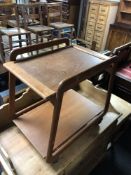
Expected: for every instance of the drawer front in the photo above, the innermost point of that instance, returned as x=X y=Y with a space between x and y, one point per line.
x=94 y=8
x=101 y=20
x=98 y=44
x=98 y=36
x=103 y=10
x=90 y=32
x=92 y=17
x=100 y=27
x=98 y=47
x=89 y=40
x=89 y=37
x=90 y=25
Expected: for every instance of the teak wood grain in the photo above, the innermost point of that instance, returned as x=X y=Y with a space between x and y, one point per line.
x=49 y=70
x=75 y=111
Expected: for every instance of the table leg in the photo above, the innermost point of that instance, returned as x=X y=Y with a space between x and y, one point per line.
x=110 y=87
x=54 y=125
x=37 y=41
x=12 y=80
x=10 y=43
x=20 y=43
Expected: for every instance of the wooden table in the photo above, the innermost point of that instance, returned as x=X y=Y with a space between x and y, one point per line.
x=63 y=114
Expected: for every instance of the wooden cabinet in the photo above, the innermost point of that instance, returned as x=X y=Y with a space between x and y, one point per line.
x=124 y=12
x=119 y=34
x=101 y=14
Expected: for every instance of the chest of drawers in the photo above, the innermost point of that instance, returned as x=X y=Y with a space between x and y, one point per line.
x=100 y=15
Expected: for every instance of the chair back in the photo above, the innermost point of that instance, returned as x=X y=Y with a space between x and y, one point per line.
x=31 y=14
x=43 y=12
x=54 y=12
x=8 y=12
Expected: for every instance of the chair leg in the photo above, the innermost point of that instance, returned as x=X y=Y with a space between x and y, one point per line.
x=59 y=33
x=28 y=39
x=37 y=41
x=20 y=42
x=59 y=36
x=2 y=49
x=73 y=34
x=51 y=38
x=10 y=43
x=41 y=38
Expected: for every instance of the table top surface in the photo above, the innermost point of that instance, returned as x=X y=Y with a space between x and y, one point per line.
x=44 y=73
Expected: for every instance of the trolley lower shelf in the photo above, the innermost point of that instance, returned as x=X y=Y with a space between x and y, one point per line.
x=76 y=112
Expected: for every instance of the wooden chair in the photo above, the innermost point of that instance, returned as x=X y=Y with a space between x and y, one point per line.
x=13 y=22
x=34 y=23
x=54 y=19
x=11 y=37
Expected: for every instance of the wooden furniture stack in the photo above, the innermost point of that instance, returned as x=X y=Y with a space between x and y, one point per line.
x=101 y=15
x=16 y=35
x=33 y=21
x=120 y=32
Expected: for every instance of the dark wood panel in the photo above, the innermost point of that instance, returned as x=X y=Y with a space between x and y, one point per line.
x=116 y=39
x=118 y=35
x=124 y=12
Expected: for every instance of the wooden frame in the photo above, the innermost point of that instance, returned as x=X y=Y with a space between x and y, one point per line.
x=58 y=95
